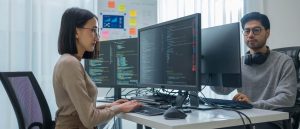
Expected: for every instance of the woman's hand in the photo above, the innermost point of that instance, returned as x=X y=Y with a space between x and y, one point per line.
x=241 y=97
x=129 y=106
x=118 y=102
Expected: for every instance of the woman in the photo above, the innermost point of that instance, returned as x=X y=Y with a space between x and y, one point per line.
x=75 y=92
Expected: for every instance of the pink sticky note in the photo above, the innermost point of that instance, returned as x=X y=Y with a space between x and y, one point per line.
x=105 y=34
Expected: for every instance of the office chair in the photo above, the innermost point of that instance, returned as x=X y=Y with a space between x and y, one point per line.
x=28 y=100
x=294 y=53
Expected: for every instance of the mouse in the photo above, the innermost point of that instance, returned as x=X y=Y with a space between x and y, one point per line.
x=172 y=114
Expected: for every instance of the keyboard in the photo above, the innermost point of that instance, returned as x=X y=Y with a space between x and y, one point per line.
x=228 y=103
x=155 y=99
x=149 y=111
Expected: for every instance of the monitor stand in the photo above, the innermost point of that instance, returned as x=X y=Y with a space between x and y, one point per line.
x=194 y=99
x=181 y=97
x=117 y=93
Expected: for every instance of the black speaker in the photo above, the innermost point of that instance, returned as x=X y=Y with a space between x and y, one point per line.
x=256 y=58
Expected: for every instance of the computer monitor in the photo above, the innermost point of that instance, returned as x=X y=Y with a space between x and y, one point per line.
x=221 y=56
x=116 y=66
x=169 y=54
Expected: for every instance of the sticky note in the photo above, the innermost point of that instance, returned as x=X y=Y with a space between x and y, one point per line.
x=111 y=4
x=105 y=34
x=132 y=31
x=132 y=13
x=122 y=8
x=132 y=21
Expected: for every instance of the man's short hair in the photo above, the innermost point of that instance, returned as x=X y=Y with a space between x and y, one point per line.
x=264 y=20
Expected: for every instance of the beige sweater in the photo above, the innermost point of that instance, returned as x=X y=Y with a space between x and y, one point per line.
x=76 y=95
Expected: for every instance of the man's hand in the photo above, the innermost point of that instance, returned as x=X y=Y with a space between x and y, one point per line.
x=241 y=97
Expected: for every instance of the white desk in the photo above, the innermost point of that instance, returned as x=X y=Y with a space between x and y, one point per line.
x=209 y=119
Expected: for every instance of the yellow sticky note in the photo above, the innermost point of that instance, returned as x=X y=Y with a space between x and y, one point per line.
x=122 y=7
x=132 y=21
x=132 y=31
x=132 y=13
x=111 y=4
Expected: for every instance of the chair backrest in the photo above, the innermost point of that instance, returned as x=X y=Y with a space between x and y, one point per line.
x=294 y=53
x=28 y=100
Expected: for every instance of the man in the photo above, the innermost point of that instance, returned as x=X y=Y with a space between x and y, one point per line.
x=268 y=77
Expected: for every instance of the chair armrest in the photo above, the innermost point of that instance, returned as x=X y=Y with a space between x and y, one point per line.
x=289 y=109
x=294 y=114
x=53 y=125
x=34 y=124
x=40 y=125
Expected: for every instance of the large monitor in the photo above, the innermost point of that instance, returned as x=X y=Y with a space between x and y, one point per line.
x=169 y=54
x=117 y=64
x=221 y=56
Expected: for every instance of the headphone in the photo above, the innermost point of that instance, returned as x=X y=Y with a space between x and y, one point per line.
x=256 y=58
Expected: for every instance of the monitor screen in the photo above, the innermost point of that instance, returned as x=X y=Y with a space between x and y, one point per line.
x=126 y=61
x=116 y=65
x=168 y=54
x=221 y=56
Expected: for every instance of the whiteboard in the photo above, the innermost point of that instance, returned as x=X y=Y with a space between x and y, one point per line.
x=136 y=14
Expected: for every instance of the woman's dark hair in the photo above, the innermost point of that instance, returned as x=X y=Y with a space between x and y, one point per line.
x=72 y=18
x=264 y=20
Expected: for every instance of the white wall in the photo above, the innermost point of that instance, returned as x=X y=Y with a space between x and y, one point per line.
x=284 y=17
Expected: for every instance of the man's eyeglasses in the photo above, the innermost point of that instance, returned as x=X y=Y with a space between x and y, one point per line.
x=255 y=31
x=95 y=30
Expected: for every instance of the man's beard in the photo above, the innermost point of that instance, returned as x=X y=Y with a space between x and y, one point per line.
x=256 y=46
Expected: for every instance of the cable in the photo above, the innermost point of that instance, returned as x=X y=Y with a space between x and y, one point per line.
x=108 y=92
x=249 y=120
x=241 y=113
x=203 y=87
x=137 y=92
x=242 y=120
x=129 y=92
x=124 y=90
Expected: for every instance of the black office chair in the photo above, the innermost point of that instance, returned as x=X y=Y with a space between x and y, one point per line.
x=294 y=53
x=28 y=100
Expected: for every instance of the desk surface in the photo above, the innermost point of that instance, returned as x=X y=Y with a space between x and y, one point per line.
x=209 y=119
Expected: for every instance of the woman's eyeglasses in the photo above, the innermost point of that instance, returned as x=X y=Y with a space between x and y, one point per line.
x=95 y=30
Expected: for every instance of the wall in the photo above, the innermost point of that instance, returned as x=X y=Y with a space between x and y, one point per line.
x=135 y=13
x=284 y=20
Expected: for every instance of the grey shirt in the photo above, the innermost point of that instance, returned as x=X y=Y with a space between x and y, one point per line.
x=269 y=85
